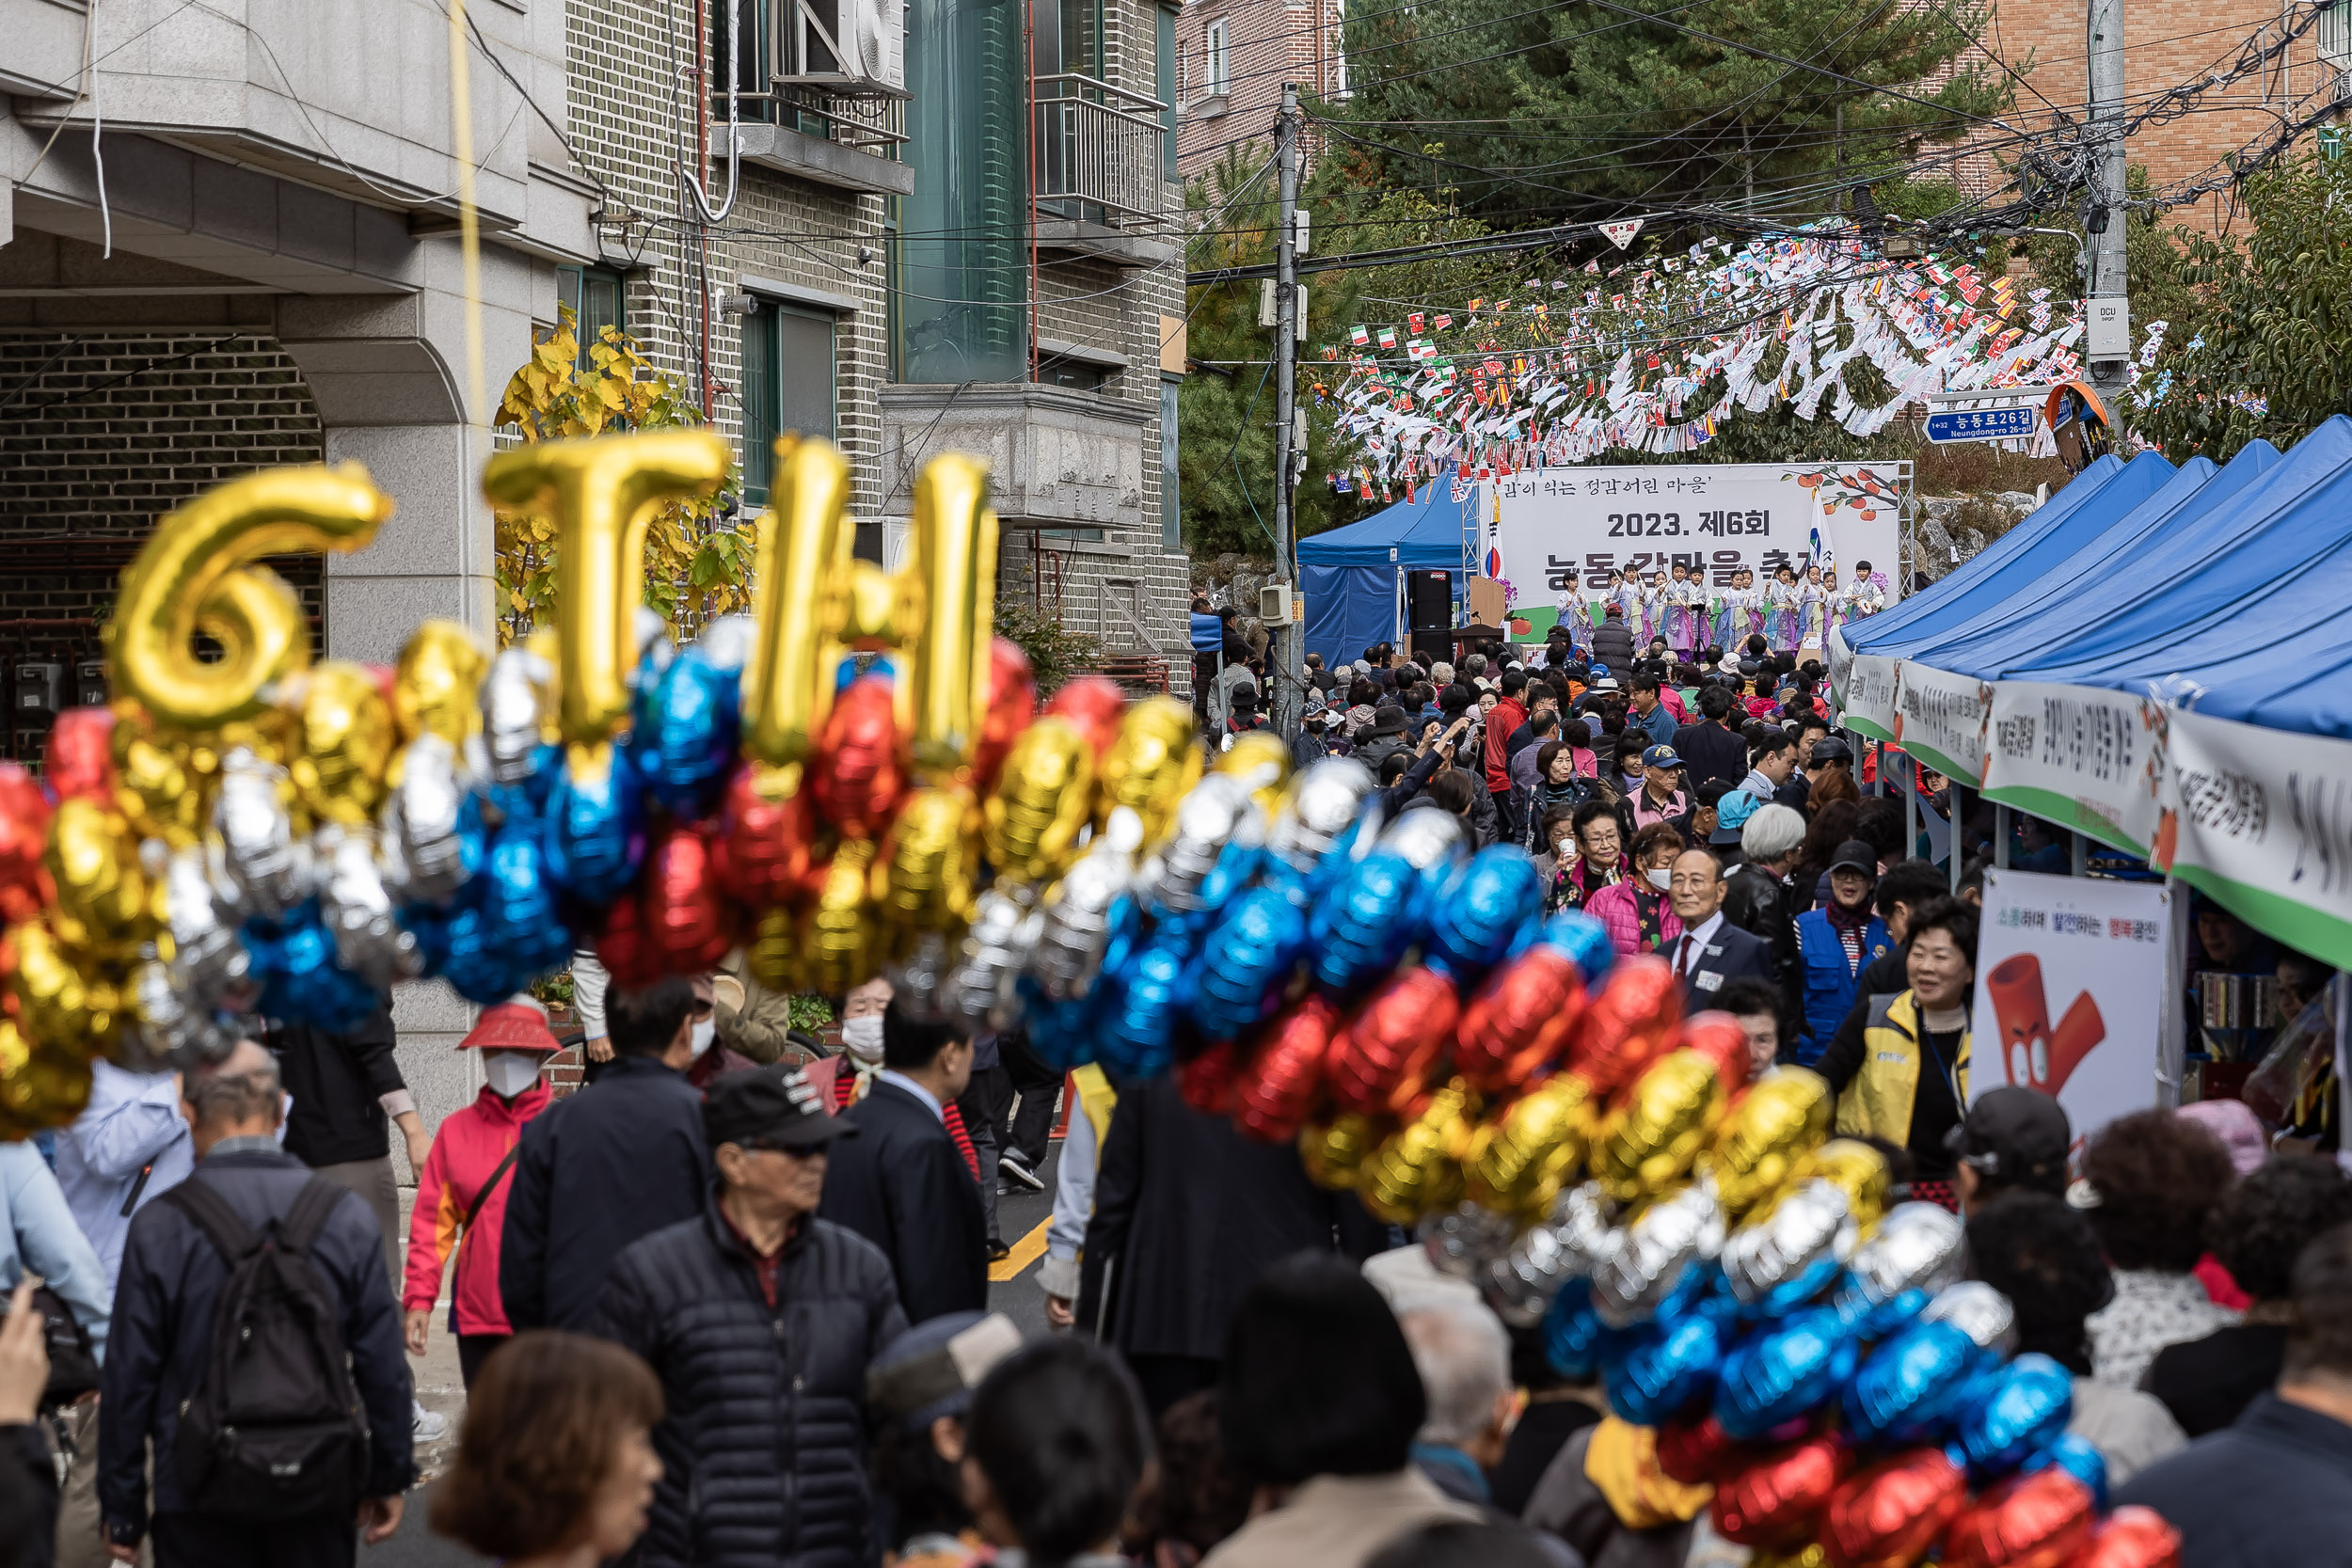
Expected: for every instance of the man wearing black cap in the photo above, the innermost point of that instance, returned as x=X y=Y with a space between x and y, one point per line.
x=760 y=1319
x=2011 y=1138
x=1386 y=737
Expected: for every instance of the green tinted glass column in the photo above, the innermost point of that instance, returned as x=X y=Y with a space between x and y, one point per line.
x=964 y=266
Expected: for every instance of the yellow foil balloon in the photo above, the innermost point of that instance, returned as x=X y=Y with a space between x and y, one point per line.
x=952 y=557
x=1045 y=795
x=774 y=953
x=1334 y=1151
x=40 y=1086
x=1776 y=1123
x=63 y=998
x=348 y=738
x=803 y=571
x=840 y=933
x=1520 y=1158
x=1261 y=760
x=157 y=787
x=1669 y=1115
x=934 y=855
x=603 y=493
x=107 y=905
x=1854 y=1169
x=1150 y=766
x=192 y=575
x=1418 y=1168
x=436 y=689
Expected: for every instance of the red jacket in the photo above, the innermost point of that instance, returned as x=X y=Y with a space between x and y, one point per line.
x=468 y=1146
x=1509 y=714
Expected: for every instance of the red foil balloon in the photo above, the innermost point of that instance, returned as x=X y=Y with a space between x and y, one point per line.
x=688 y=923
x=24 y=886
x=1095 y=705
x=1697 y=1453
x=2036 y=1521
x=1281 y=1086
x=1633 y=1022
x=2131 y=1537
x=767 y=837
x=1776 y=1498
x=80 y=756
x=1207 y=1082
x=859 y=773
x=1516 y=1028
x=1007 y=706
x=1892 y=1512
x=1719 y=1038
x=1380 y=1063
x=622 y=947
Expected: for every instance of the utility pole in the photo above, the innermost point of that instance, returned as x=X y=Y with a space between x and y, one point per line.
x=1286 y=663
x=2108 y=346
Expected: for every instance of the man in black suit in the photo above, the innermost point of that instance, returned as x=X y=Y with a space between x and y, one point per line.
x=1711 y=950
x=1711 y=748
x=903 y=1184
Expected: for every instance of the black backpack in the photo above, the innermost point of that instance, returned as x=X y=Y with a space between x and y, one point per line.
x=273 y=1429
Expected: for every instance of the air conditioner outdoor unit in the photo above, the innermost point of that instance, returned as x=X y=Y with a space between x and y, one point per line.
x=849 y=47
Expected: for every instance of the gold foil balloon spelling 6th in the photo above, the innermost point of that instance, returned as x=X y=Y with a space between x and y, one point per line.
x=803 y=565
x=193 y=575
x=952 y=555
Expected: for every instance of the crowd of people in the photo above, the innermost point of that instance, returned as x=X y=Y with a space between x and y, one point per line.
x=730 y=1302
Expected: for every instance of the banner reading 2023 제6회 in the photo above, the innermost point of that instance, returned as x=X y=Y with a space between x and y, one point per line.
x=1559 y=532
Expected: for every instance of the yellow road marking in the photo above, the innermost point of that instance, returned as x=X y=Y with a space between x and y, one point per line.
x=1026 y=1251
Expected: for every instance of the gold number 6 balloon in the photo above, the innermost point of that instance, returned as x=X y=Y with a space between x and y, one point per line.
x=195 y=575
x=602 y=492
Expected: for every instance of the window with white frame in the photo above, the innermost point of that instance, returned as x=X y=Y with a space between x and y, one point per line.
x=1216 y=65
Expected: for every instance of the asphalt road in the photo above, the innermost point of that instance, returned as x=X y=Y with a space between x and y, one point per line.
x=1020 y=1217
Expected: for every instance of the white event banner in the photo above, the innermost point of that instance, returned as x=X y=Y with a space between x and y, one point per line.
x=1868 y=695
x=2072 y=993
x=1567 y=528
x=2080 y=756
x=2262 y=821
x=1940 y=719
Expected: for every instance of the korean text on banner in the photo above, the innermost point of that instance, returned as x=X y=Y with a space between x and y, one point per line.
x=2262 y=821
x=1940 y=719
x=2072 y=995
x=1869 y=695
x=2077 y=755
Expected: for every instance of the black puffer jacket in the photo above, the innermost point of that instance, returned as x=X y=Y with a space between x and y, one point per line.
x=763 y=1446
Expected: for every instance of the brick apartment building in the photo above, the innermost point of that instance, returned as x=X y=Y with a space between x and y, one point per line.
x=1235 y=56
x=952 y=240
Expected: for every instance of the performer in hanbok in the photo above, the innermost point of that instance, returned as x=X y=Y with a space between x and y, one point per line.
x=1780 y=606
x=1867 y=594
x=1812 y=604
x=1736 y=609
x=1625 y=592
x=1653 y=608
x=1833 y=604
x=1684 y=599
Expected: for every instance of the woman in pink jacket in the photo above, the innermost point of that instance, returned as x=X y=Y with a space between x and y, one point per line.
x=461 y=1193
x=1635 y=911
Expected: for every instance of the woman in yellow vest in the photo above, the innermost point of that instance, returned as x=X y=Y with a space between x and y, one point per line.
x=1899 y=1063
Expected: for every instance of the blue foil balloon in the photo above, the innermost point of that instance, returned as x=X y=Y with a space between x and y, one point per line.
x=595 y=834
x=1237 y=865
x=1888 y=1317
x=1772 y=1377
x=1482 y=913
x=1136 y=1031
x=1575 y=1338
x=1909 y=1387
x=1362 y=925
x=529 y=797
x=1586 y=940
x=2023 y=1407
x=688 y=721
x=1240 y=973
x=1667 y=1368
x=294 y=958
x=2077 y=1458
x=511 y=929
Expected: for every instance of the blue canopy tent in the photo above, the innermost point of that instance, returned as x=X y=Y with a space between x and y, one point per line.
x=1350 y=575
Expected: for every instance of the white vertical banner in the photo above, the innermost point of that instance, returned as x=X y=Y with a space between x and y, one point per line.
x=1867 y=697
x=1940 y=719
x=2079 y=756
x=2072 y=993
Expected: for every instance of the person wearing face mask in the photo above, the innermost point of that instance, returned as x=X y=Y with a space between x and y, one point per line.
x=712 y=1056
x=461 y=1191
x=1635 y=911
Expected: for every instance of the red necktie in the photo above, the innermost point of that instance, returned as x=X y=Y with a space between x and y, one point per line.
x=1682 y=959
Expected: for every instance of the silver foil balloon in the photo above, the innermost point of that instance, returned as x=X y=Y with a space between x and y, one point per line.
x=1466 y=1240
x=1978 y=1310
x=728 y=641
x=1648 y=1260
x=980 y=989
x=370 y=941
x=653 y=647
x=918 y=982
x=175 y=1028
x=1520 y=1283
x=1320 y=804
x=1427 y=839
x=257 y=864
x=208 y=962
x=1218 y=810
x=432 y=835
x=1076 y=929
x=1806 y=1234
x=513 y=711
x=1917 y=1246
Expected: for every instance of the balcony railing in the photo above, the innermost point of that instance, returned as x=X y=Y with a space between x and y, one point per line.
x=1099 y=150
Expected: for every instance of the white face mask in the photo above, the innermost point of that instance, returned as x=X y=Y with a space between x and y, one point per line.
x=863 y=1035
x=705 y=1031
x=1661 y=877
x=510 y=1072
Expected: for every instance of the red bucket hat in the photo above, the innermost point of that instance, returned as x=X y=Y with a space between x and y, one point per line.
x=511 y=1026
